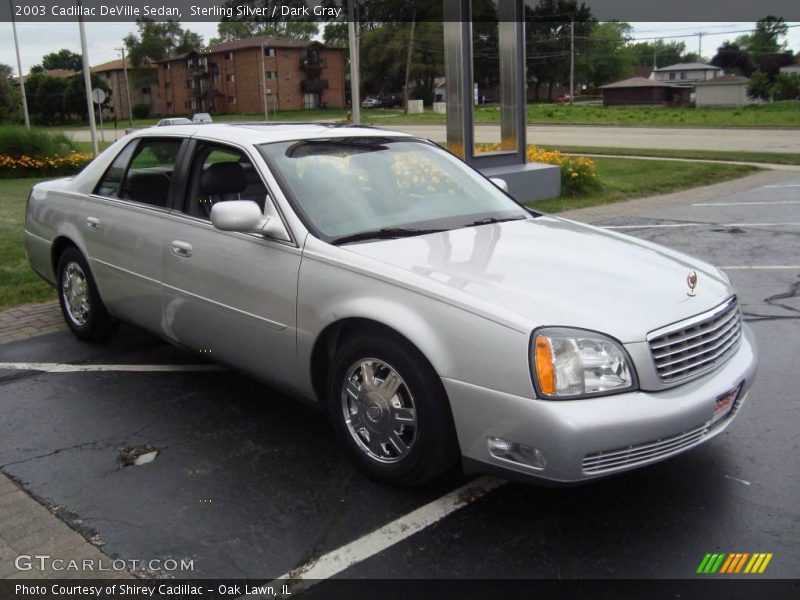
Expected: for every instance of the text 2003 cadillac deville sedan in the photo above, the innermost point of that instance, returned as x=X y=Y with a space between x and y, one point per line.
x=379 y=276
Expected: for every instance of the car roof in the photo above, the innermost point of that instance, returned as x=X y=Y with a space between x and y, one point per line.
x=264 y=133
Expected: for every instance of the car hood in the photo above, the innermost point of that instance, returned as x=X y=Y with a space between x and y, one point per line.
x=551 y=271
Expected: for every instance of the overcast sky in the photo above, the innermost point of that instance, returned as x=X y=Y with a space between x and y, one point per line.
x=38 y=39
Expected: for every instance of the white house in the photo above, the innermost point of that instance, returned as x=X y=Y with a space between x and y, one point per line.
x=686 y=73
x=723 y=91
x=791 y=69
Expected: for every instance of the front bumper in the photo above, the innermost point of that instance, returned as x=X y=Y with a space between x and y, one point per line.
x=626 y=431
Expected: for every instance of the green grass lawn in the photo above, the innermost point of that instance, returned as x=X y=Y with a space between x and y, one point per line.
x=18 y=283
x=629 y=178
x=778 y=114
x=760 y=157
x=621 y=179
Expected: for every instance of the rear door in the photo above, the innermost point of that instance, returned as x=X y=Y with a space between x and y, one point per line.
x=123 y=227
x=230 y=295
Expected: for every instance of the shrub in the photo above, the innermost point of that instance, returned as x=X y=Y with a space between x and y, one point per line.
x=141 y=111
x=19 y=141
x=37 y=153
x=578 y=173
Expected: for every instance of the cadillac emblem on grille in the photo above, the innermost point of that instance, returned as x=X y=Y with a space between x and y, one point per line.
x=691 y=280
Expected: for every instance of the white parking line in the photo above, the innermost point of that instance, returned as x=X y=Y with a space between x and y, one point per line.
x=759 y=267
x=782 y=186
x=338 y=560
x=66 y=368
x=670 y=225
x=745 y=203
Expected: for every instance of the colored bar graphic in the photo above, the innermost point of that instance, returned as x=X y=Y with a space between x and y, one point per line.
x=723 y=563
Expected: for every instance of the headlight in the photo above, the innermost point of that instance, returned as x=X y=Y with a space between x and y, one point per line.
x=574 y=363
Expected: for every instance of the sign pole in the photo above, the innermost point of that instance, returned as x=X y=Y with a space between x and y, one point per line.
x=87 y=82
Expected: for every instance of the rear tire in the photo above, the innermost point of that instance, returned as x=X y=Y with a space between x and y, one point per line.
x=83 y=310
x=389 y=408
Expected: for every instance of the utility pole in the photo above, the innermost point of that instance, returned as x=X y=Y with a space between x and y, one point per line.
x=572 y=61
x=355 y=96
x=127 y=87
x=700 y=35
x=87 y=82
x=264 y=84
x=19 y=71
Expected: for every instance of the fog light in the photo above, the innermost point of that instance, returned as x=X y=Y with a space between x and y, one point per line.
x=516 y=452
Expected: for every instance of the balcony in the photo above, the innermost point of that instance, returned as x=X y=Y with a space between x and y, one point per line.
x=311 y=63
x=313 y=86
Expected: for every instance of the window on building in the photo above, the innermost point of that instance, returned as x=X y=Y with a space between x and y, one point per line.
x=169 y=104
x=672 y=76
x=190 y=84
x=167 y=66
x=286 y=74
x=229 y=77
x=229 y=56
x=215 y=77
x=269 y=51
x=167 y=85
x=231 y=99
x=190 y=63
x=146 y=90
x=683 y=75
x=271 y=74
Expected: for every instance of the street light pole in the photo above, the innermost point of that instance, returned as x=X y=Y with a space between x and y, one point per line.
x=87 y=82
x=355 y=95
x=127 y=87
x=572 y=61
x=19 y=71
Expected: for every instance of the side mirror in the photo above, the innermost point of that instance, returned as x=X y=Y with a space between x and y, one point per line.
x=243 y=216
x=501 y=183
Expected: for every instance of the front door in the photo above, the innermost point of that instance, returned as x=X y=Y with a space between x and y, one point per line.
x=229 y=295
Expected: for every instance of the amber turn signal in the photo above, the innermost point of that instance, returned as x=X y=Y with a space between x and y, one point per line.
x=544 y=365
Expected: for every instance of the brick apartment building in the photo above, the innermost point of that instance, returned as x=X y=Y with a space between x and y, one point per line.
x=114 y=76
x=227 y=77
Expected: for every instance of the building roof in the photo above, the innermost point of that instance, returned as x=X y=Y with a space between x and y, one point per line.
x=695 y=66
x=642 y=71
x=57 y=73
x=116 y=65
x=253 y=42
x=637 y=82
x=725 y=80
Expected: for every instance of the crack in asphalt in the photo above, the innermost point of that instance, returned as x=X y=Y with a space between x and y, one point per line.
x=794 y=292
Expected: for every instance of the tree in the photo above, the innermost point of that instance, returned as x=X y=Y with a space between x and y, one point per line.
x=547 y=40
x=663 y=53
x=606 y=57
x=158 y=40
x=63 y=59
x=786 y=86
x=10 y=99
x=759 y=86
x=49 y=99
x=74 y=97
x=767 y=46
x=335 y=34
x=238 y=30
x=731 y=58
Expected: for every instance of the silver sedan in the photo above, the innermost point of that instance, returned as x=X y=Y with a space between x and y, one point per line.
x=376 y=275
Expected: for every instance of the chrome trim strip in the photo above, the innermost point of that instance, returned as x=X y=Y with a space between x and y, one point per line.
x=678 y=325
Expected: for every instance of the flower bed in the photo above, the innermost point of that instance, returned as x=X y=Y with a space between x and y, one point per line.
x=578 y=173
x=31 y=166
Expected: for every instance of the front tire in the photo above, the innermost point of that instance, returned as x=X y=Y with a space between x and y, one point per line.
x=390 y=410
x=83 y=310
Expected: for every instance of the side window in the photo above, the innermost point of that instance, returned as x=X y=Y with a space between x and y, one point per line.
x=150 y=172
x=220 y=173
x=111 y=182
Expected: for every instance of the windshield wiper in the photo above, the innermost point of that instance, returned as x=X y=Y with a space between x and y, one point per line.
x=387 y=233
x=492 y=220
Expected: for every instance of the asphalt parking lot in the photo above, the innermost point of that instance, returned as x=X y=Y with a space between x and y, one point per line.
x=251 y=484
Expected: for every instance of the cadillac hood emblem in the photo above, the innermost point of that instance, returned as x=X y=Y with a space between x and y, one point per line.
x=691 y=281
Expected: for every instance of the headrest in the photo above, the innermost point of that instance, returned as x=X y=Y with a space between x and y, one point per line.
x=150 y=188
x=223 y=178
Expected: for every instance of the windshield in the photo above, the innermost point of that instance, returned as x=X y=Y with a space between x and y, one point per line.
x=346 y=188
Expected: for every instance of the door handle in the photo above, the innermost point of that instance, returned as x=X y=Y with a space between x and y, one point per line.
x=182 y=249
x=93 y=223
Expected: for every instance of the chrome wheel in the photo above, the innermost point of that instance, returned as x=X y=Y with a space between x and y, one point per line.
x=379 y=410
x=75 y=292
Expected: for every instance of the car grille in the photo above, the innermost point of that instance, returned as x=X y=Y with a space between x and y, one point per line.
x=633 y=455
x=608 y=460
x=698 y=344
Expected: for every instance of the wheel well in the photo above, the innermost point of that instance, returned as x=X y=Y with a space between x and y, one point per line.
x=333 y=336
x=59 y=245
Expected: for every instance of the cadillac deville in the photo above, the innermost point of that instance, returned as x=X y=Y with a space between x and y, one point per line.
x=375 y=274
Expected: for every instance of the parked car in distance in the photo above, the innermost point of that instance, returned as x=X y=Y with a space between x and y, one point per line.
x=201 y=118
x=173 y=121
x=391 y=101
x=563 y=99
x=378 y=276
x=371 y=103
